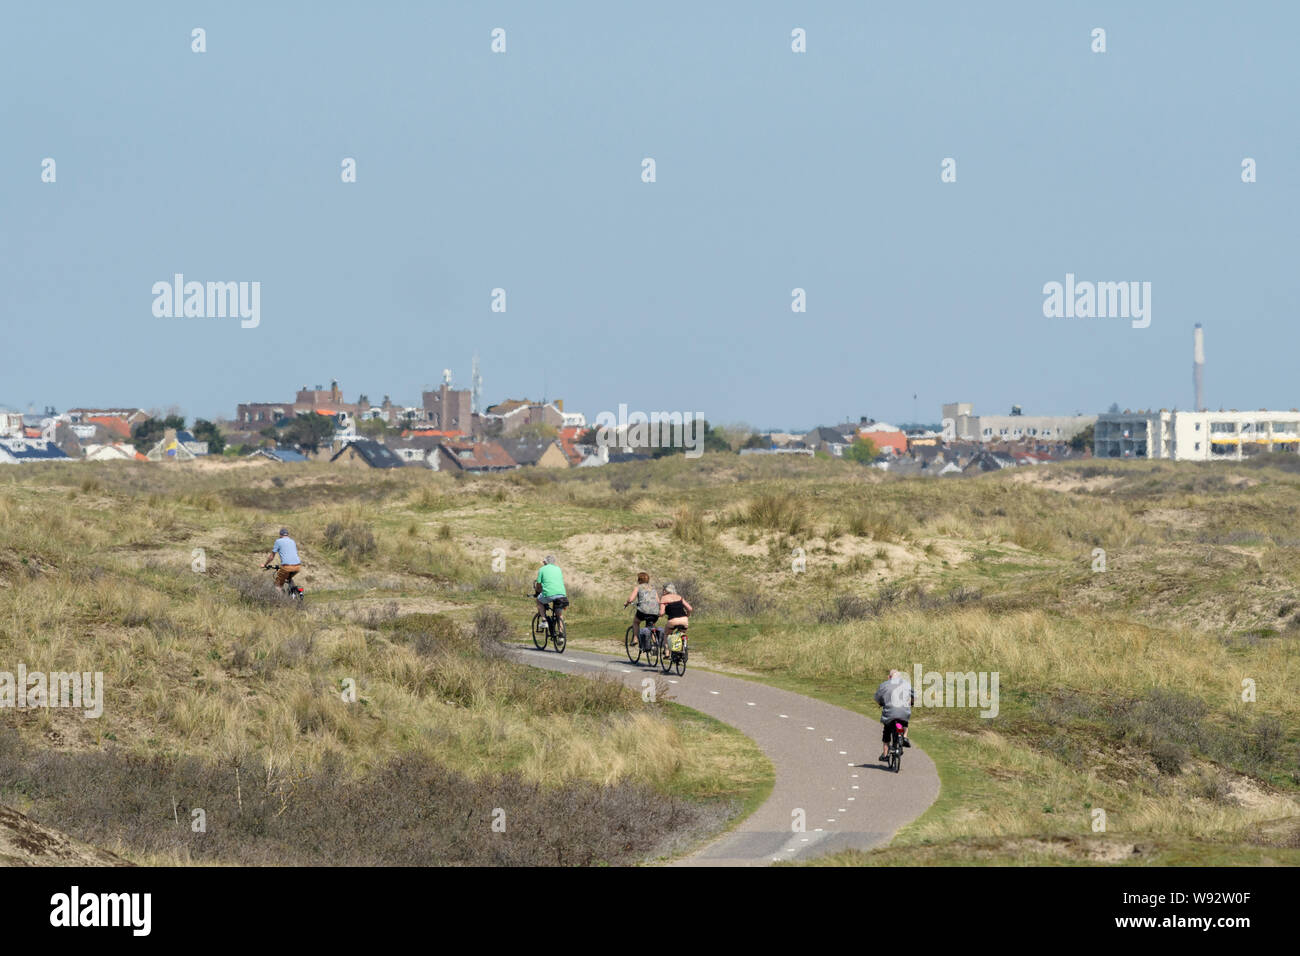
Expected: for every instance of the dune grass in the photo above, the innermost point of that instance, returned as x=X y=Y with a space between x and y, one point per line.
x=220 y=695
x=1120 y=689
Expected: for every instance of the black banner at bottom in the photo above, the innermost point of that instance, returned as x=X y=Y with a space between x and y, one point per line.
x=142 y=906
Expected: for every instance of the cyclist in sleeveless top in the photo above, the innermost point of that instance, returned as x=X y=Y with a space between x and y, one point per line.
x=646 y=599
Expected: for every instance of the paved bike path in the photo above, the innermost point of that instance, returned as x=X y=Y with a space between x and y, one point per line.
x=824 y=757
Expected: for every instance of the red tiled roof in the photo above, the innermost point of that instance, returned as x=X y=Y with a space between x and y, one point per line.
x=883 y=439
x=117 y=426
x=570 y=452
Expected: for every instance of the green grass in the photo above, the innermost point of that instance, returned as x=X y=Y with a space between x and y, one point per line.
x=1201 y=591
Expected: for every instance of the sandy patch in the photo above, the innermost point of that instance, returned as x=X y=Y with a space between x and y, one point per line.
x=1175 y=517
x=737 y=544
x=1054 y=480
x=1254 y=797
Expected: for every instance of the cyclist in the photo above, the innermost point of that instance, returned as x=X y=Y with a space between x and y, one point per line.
x=549 y=586
x=676 y=607
x=895 y=697
x=290 y=564
x=647 y=608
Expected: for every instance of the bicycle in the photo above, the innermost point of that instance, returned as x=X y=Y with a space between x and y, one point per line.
x=632 y=644
x=895 y=752
x=292 y=590
x=673 y=652
x=550 y=627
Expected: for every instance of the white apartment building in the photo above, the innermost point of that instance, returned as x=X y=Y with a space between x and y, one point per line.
x=960 y=423
x=1196 y=436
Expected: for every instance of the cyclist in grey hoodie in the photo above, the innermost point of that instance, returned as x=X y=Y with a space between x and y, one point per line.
x=895 y=697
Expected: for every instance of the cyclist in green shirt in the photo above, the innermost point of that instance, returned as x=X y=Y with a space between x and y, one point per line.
x=549 y=586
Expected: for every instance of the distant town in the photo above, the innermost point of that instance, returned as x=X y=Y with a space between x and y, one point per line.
x=446 y=432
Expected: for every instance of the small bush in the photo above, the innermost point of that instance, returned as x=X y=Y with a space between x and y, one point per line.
x=353 y=541
x=745 y=604
x=688 y=586
x=782 y=513
x=428 y=634
x=1261 y=746
x=689 y=527
x=260 y=591
x=1213 y=786
x=846 y=607
x=1169 y=755
x=491 y=629
x=1169 y=725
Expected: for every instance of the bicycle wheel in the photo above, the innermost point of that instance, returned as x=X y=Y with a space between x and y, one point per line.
x=561 y=639
x=652 y=653
x=680 y=663
x=539 y=632
x=632 y=644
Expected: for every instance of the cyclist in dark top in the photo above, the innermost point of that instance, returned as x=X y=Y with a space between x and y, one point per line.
x=675 y=606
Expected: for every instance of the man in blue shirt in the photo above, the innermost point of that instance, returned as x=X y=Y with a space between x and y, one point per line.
x=290 y=564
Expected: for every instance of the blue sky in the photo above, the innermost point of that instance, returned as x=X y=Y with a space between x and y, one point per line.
x=775 y=170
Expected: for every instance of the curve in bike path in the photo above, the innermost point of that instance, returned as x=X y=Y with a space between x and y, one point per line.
x=824 y=757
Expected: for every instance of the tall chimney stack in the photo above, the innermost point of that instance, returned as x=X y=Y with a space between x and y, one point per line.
x=1198 y=366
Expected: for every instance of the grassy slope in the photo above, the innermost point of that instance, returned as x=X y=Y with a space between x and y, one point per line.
x=206 y=677
x=1199 y=593
x=1120 y=690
